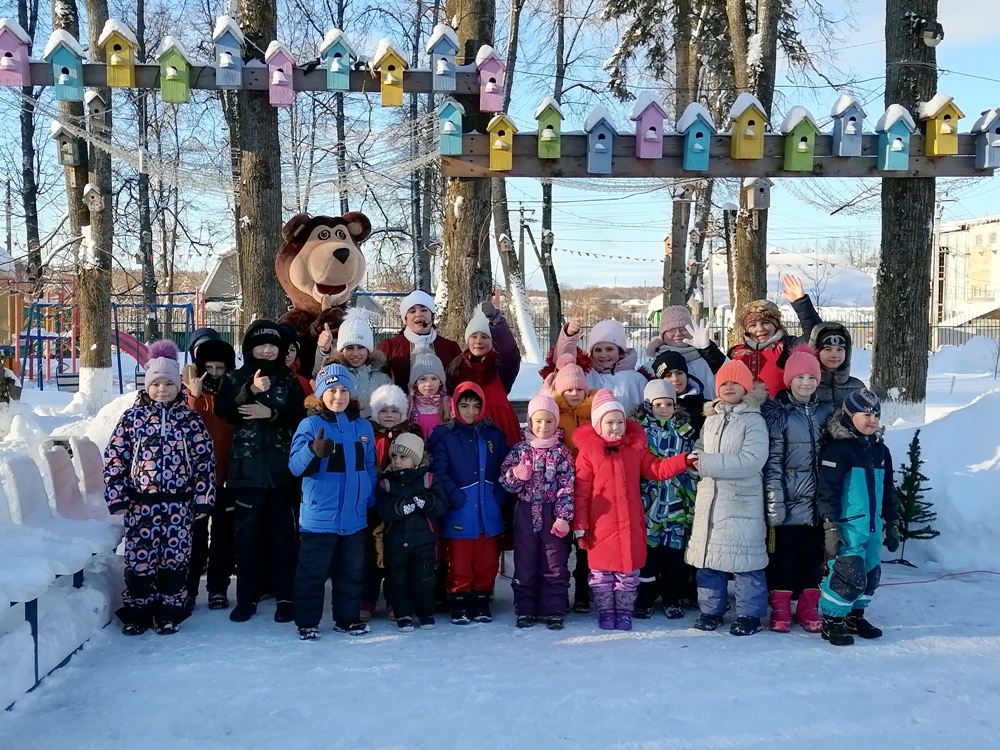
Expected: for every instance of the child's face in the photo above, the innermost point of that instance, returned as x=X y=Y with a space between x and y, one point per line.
x=761 y=330
x=613 y=425
x=803 y=386
x=428 y=385
x=400 y=462
x=293 y=353
x=162 y=391
x=480 y=344
x=388 y=417
x=731 y=393
x=866 y=424
x=215 y=369
x=354 y=355
x=543 y=424
x=675 y=336
x=663 y=408
x=606 y=356
x=268 y=352
x=336 y=398
x=832 y=357
x=678 y=379
x=468 y=410
x=574 y=397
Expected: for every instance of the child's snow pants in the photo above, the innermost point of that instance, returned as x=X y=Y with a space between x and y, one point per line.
x=614 y=591
x=329 y=556
x=751 y=592
x=541 y=572
x=855 y=572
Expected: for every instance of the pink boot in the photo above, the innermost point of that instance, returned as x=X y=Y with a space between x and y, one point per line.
x=806 y=613
x=781 y=611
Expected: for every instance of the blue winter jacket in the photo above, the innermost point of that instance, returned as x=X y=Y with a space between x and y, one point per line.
x=336 y=491
x=467 y=460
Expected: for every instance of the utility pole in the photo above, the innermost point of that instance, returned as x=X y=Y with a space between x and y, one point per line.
x=520 y=244
x=6 y=213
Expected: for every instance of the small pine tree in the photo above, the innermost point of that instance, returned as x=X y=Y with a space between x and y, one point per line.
x=915 y=513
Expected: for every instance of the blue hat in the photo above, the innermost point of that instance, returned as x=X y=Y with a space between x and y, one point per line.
x=862 y=401
x=331 y=375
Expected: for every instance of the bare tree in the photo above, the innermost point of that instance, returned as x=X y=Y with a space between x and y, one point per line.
x=27 y=17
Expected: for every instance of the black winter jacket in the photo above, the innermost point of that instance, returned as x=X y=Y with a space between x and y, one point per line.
x=398 y=488
x=693 y=404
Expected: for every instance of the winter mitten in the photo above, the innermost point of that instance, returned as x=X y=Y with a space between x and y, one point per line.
x=419 y=502
x=892 y=537
x=831 y=538
x=322 y=447
x=698 y=333
x=560 y=528
x=408 y=508
x=522 y=471
x=691 y=459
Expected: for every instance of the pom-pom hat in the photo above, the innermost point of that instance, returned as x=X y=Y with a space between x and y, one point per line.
x=604 y=403
x=569 y=375
x=355 y=330
x=163 y=364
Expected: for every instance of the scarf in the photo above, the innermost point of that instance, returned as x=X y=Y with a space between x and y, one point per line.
x=541 y=443
x=689 y=353
x=420 y=340
x=480 y=370
x=758 y=346
x=425 y=404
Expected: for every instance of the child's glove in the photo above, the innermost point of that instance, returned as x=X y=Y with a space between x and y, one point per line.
x=522 y=471
x=832 y=538
x=560 y=528
x=691 y=460
x=419 y=502
x=322 y=447
x=698 y=333
x=408 y=508
x=892 y=537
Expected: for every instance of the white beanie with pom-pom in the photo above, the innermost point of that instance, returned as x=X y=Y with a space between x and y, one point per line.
x=355 y=330
x=479 y=324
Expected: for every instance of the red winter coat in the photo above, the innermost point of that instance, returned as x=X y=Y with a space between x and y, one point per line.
x=608 y=505
x=398 y=350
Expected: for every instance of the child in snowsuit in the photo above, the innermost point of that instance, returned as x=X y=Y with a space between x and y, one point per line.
x=213 y=359
x=467 y=454
x=672 y=367
x=614 y=361
x=410 y=499
x=856 y=500
x=429 y=404
x=333 y=450
x=678 y=334
x=669 y=505
x=539 y=470
x=609 y=521
x=795 y=421
x=356 y=352
x=159 y=470
x=729 y=533
x=833 y=342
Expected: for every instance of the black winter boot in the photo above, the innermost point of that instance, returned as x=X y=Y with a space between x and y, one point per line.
x=835 y=631
x=857 y=625
x=707 y=622
x=283 y=612
x=481 y=607
x=242 y=612
x=460 y=609
x=745 y=625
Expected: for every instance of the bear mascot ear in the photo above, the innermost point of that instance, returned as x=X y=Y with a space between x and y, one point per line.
x=292 y=226
x=358 y=225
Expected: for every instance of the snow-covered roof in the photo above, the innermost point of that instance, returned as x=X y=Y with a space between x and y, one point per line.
x=597 y=114
x=56 y=128
x=895 y=113
x=276 y=48
x=225 y=24
x=453 y=103
x=691 y=113
x=743 y=102
x=9 y=24
x=486 y=52
x=90 y=95
x=845 y=102
x=172 y=43
x=90 y=188
x=383 y=48
x=795 y=117
x=111 y=26
x=334 y=37
x=442 y=32
x=499 y=120
x=753 y=181
x=931 y=109
x=644 y=101
x=547 y=102
x=986 y=120
x=64 y=38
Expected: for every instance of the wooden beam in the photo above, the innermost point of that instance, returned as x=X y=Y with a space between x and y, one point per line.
x=256 y=77
x=475 y=160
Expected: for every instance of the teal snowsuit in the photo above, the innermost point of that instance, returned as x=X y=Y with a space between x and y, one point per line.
x=855 y=490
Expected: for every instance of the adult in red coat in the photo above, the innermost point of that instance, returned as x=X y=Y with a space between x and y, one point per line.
x=417 y=311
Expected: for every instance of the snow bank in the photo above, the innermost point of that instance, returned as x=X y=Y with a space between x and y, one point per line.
x=978 y=356
x=17 y=659
x=100 y=427
x=528 y=381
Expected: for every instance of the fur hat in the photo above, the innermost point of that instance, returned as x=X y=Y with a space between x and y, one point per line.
x=802 y=361
x=162 y=363
x=409 y=445
x=569 y=375
x=416 y=297
x=667 y=361
x=760 y=309
x=862 y=401
x=215 y=350
x=735 y=371
x=479 y=324
x=543 y=402
x=604 y=403
x=331 y=375
x=388 y=396
x=355 y=329
x=425 y=362
x=659 y=389
x=607 y=332
x=675 y=316
x=200 y=336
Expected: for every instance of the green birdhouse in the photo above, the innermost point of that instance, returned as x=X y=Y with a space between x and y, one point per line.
x=800 y=131
x=175 y=71
x=549 y=117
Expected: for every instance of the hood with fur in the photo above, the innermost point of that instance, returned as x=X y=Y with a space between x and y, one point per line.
x=376 y=360
x=751 y=402
x=840 y=427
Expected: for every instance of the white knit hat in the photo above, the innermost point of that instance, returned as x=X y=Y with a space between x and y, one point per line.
x=607 y=332
x=416 y=297
x=354 y=329
x=659 y=389
x=479 y=324
x=389 y=396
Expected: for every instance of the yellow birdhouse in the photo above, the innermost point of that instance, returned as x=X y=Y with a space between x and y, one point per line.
x=501 y=130
x=748 y=123
x=390 y=63
x=119 y=44
x=940 y=117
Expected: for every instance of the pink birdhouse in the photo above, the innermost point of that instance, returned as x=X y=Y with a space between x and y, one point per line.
x=492 y=78
x=14 y=67
x=648 y=115
x=280 y=66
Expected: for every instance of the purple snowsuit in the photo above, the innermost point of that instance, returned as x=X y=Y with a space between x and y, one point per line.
x=541 y=572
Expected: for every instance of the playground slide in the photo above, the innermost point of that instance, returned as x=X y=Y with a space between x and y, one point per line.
x=131 y=346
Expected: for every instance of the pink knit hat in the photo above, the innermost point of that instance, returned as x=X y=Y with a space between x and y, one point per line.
x=802 y=361
x=675 y=316
x=735 y=371
x=543 y=402
x=604 y=403
x=162 y=363
x=569 y=375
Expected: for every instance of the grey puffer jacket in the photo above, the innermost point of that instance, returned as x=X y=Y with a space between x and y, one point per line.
x=729 y=532
x=791 y=474
x=835 y=385
x=366 y=378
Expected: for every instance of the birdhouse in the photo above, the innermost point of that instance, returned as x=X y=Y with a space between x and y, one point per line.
x=501 y=130
x=66 y=145
x=848 y=123
x=280 y=68
x=758 y=192
x=894 y=129
x=441 y=50
x=390 y=63
x=648 y=115
x=228 y=42
x=747 y=127
x=92 y=197
x=119 y=44
x=97 y=112
x=549 y=117
x=175 y=71
x=66 y=56
x=14 y=65
x=697 y=128
x=336 y=53
x=987 y=132
x=601 y=134
x=940 y=117
x=450 y=115
x=492 y=79
x=800 y=131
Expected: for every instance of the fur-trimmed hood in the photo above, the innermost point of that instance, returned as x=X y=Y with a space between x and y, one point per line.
x=376 y=360
x=407 y=426
x=315 y=408
x=587 y=439
x=751 y=402
x=639 y=413
x=839 y=427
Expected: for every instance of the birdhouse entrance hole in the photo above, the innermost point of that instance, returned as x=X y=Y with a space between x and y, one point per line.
x=651 y=134
x=65 y=71
x=7 y=54
x=117 y=48
x=501 y=133
x=897 y=145
x=803 y=144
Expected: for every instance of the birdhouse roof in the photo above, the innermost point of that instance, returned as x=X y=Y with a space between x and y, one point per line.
x=744 y=102
x=894 y=114
x=443 y=33
x=501 y=120
x=597 y=115
x=226 y=25
x=62 y=38
x=383 y=49
x=450 y=103
x=112 y=27
x=845 y=102
x=936 y=106
x=485 y=54
x=691 y=114
x=548 y=102
x=90 y=95
x=90 y=188
x=754 y=181
x=172 y=43
x=276 y=48
x=644 y=101
x=12 y=26
x=795 y=117
x=986 y=120
x=57 y=129
x=332 y=39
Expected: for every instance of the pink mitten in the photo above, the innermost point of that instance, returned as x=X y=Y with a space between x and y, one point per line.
x=561 y=527
x=522 y=471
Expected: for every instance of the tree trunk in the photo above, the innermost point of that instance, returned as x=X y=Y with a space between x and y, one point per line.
x=903 y=286
x=152 y=328
x=674 y=266
x=65 y=16
x=702 y=220
x=467 y=276
x=27 y=17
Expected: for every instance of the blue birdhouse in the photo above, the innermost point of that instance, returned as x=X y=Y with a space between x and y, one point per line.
x=697 y=128
x=987 y=132
x=228 y=41
x=894 y=129
x=336 y=54
x=450 y=115
x=601 y=134
x=66 y=56
x=441 y=50
x=848 y=122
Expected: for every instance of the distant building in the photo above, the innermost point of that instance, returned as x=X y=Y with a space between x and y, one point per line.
x=965 y=279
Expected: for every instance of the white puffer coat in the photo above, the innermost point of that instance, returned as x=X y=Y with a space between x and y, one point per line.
x=729 y=532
